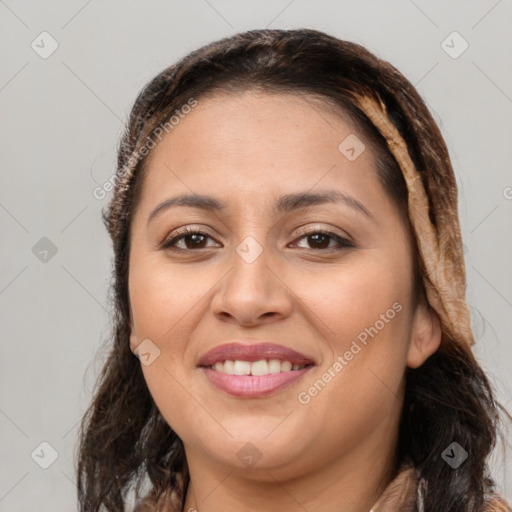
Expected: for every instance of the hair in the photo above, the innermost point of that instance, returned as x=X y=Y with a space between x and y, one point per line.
x=125 y=445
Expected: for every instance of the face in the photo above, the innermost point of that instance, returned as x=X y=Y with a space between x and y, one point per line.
x=273 y=263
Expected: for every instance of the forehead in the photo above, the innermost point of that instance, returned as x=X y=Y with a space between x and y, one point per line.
x=255 y=121
x=250 y=146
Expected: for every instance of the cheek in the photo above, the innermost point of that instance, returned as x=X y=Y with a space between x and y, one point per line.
x=359 y=387
x=161 y=298
x=366 y=322
x=350 y=299
x=165 y=306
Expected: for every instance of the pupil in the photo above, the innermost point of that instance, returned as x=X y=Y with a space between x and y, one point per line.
x=321 y=236
x=196 y=239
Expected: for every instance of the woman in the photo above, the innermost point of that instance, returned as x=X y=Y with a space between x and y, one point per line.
x=289 y=275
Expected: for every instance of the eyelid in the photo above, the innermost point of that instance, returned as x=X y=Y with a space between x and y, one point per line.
x=314 y=228
x=190 y=229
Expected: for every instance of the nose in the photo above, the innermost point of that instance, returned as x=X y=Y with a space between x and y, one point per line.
x=252 y=293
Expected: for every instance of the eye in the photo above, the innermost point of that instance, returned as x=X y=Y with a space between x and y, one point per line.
x=190 y=239
x=321 y=240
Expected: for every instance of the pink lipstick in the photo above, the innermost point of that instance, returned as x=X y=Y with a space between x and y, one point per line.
x=252 y=371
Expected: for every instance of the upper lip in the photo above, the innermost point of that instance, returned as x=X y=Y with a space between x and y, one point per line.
x=255 y=352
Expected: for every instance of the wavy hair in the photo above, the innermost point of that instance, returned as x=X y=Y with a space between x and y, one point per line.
x=125 y=446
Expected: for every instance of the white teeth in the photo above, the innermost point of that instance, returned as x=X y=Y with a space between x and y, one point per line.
x=286 y=366
x=242 y=368
x=274 y=366
x=229 y=367
x=258 y=368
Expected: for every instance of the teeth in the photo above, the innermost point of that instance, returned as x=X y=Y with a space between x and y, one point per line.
x=286 y=366
x=229 y=367
x=258 y=368
x=274 y=366
x=242 y=368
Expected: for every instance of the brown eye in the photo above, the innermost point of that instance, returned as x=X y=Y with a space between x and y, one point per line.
x=190 y=240
x=319 y=240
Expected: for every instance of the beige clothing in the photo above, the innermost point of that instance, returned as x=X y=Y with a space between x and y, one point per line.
x=403 y=494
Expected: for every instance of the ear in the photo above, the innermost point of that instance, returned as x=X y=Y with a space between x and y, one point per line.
x=134 y=341
x=425 y=335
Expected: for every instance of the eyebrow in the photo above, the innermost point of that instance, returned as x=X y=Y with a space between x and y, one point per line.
x=284 y=204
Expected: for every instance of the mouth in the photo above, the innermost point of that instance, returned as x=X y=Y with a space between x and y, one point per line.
x=252 y=371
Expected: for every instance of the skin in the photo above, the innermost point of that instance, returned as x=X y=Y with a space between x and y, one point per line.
x=335 y=453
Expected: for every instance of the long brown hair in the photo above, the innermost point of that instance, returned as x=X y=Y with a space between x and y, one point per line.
x=126 y=447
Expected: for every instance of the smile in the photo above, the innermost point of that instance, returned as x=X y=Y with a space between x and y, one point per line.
x=257 y=369
x=253 y=370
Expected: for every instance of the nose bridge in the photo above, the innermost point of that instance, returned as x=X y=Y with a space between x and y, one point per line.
x=250 y=290
x=253 y=230
x=251 y=261
x=255 y=252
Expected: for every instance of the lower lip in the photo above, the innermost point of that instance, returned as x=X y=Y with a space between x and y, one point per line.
x=250 y=386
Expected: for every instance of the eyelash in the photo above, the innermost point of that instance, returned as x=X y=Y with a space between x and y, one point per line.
x=343 y=243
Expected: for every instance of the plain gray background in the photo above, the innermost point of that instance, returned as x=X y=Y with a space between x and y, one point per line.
x=61 y=119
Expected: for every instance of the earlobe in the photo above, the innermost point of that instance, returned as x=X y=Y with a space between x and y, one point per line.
x=133 y=341
x=425 y=336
